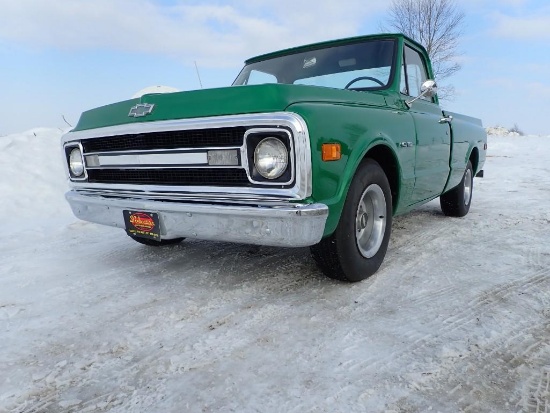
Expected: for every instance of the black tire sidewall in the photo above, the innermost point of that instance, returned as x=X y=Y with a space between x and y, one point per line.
x=452 y=202
x=354 y=265
x=468 y=167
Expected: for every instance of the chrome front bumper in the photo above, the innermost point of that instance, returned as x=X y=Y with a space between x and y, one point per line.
x=288 y=226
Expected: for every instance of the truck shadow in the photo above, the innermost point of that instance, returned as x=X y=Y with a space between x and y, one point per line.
x=226 y=266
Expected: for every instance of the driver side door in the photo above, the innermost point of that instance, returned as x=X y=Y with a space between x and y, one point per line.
x=433 y=136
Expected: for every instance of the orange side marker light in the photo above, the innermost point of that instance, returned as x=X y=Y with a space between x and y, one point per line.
x=331 y=152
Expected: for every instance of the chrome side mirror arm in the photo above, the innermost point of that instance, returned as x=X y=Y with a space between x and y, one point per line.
x=429 y=89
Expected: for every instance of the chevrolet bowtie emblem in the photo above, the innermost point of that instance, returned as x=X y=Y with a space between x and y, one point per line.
x=141 y=109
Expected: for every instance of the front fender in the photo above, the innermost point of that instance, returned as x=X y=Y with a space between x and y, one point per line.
x=358 y=128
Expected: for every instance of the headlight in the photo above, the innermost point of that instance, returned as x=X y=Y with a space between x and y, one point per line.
x=76 y=164
x=271 y=158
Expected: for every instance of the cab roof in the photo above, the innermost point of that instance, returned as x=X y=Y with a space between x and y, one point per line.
x=331 y=43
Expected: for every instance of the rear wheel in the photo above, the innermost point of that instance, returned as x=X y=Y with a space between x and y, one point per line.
x=456 y=202
x=153 y=243
x=358 y=246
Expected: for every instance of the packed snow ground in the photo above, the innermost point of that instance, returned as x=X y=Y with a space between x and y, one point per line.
x=457 y=319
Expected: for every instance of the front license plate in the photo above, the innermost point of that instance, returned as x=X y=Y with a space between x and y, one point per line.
x=142 y=224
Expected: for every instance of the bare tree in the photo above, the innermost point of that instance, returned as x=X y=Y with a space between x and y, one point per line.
x=517 y=130
x=437 y=25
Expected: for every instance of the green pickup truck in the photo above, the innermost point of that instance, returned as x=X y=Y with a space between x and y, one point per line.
x=316 y=146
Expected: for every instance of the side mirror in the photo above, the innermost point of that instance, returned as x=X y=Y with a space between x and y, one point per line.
x=428 y=89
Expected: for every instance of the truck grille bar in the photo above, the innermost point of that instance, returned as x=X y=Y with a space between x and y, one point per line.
x=122 y=159
x=201 y=138
x=172 y=176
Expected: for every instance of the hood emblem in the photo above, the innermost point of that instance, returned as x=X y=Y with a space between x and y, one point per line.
x=141 y=109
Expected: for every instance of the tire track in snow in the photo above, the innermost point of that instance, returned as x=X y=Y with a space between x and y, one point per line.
x=410 y=236
x=475 y=308
x=510 y=360
x=433 y=295
x=539 y=399
x=38 y=407
x=536 y=392
x=236 y=267
x=492 y=297
x=476 y=380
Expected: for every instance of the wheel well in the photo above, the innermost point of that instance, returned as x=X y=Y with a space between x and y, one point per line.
x=474 y=159
x=384 y=156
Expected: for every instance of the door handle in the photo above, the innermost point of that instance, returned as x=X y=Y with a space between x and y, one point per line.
x=446 y=119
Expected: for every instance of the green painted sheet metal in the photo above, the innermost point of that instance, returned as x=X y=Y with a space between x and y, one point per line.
x=222 y=101
x=358 y=129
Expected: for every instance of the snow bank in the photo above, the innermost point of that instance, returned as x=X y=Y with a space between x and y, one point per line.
x=155 y=89
x=500 y=131
x=33 y=180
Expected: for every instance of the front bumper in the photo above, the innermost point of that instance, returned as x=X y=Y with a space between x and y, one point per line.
x=294 y=225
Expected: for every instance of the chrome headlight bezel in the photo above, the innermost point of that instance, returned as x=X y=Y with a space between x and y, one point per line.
x=74 y=156
x=258 y=176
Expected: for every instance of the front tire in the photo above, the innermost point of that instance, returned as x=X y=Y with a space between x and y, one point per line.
x=456 y=202
x=358 y=246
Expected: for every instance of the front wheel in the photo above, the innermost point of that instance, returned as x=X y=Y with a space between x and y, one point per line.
x=358 y=246
x=456 y=202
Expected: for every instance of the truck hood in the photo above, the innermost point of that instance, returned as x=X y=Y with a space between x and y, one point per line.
x=222 y=101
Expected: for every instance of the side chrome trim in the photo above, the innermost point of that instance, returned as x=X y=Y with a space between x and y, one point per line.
x=300 y=190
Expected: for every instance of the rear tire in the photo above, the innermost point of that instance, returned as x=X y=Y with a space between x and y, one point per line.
x=152 y=243
x=358 y=246
x=456 y=202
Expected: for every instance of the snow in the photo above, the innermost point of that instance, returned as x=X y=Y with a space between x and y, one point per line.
x=457 y=319
x=500 y=131
x=155 y=89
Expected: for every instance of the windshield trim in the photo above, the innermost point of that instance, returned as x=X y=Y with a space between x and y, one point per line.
x=328 y=45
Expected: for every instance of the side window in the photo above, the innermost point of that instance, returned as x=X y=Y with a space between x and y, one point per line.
x=416 y=73
x=403 y=86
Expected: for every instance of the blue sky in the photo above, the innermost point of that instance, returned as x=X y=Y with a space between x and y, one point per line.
x=64 y=57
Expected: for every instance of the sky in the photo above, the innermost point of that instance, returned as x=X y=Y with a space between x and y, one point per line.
x=60 y=58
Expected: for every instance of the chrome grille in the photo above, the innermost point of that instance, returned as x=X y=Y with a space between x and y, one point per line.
x=218 y=137
x=121 y=159
x=139 y=160
x=171 y=176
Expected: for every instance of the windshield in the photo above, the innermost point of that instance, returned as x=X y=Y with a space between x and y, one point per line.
x=358 y=66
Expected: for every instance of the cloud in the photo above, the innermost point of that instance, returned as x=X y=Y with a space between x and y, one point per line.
x=538 y=89
x=535 y=26
x=477 y=5
x=217 y=35
x=528 y=90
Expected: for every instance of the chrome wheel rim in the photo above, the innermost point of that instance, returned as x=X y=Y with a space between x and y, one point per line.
x=467 y=186
x=370 y=221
